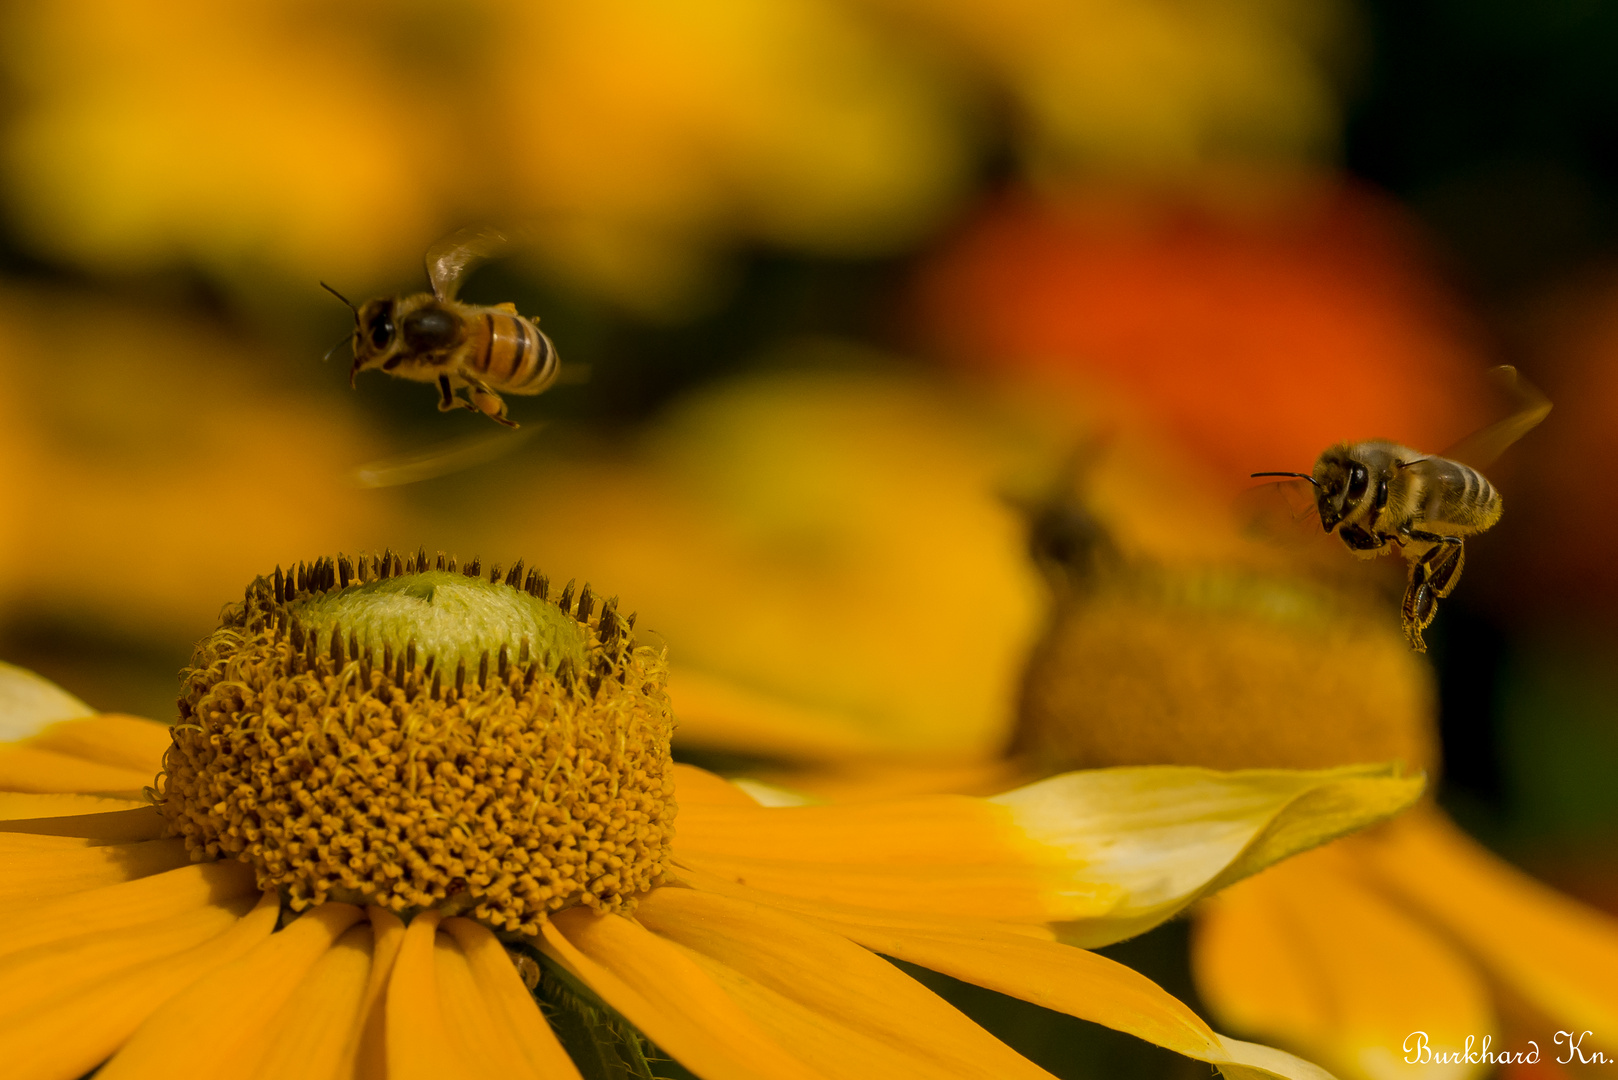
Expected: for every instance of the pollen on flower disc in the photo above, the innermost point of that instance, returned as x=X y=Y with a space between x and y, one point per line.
x=417 y=737
x=1223 y=672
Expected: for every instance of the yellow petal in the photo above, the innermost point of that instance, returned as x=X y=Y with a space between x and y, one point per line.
x=309 y=1035
x=878 y=779
x=127 y=904
x=845 y=1011
x=1307 y=955
x=107 y=820
x=29 y=768
x=418 y=1041
x=699 y=787
x=940 y=855
x=856 y=914
x=1082 y=984
x=366 y=1055
x=505 y=996
x=73 y=1033
x=481 y=1036
x=1554 y=952
x=127 y=742
x=1107 y=852
x=43 y=866
x=28 y=702
x=667 y=996
x=52 y=970
x=186 y=1036
x=1166 y=835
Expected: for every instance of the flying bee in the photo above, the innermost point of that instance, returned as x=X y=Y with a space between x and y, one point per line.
x=1378 y=495
x=434 y=338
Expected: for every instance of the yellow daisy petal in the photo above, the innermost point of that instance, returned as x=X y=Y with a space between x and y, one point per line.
x=699 y=787
x=1558 y=955
x=46 y=865
x=74 y=1032
x=125 y=742
x=1108 y=852
x=844 y=1010
x=418 y=1040
x=1083 y=984
x=484 y=1039
x=29 y=768
x=1308 y=956
x=310 y=1034
x=57 y=969
x=505 y=996
x=366 y=1054
x=941 y=854
x=666 y=995
x=857 y=914
x=92 y=816
x=184 y=1037
x=127 y=904
x=28 y=702
x=1165 y=835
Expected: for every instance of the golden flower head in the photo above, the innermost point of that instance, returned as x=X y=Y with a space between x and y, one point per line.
x=1252 y=659
x=417 y=737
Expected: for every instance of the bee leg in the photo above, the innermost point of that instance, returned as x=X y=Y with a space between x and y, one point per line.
x=1445 y=569
x=1431 y=538
x=490 y=404
x=1420 y=604
x=447 y=401
x=1419 y=607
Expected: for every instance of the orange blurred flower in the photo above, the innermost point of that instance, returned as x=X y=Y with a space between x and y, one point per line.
x=1258 y=340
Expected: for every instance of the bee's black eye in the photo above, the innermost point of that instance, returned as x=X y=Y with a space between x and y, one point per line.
x=381 y=331
x=1358 y=481
x=429 y=328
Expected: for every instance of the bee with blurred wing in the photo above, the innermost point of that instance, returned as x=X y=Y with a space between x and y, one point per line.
x=435 y=338
x=1377 y=495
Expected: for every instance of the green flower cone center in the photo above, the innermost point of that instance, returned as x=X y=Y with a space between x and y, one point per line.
x=416 y=737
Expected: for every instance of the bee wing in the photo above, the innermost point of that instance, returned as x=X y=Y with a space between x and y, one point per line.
x=1482 y=447
x=1280 y=512
x=450 y=258
x=434 y=461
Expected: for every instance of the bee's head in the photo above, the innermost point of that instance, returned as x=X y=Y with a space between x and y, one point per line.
x=376 y=338
x=1341 y=481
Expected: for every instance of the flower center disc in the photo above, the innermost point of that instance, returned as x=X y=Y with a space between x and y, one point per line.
x=420 y=738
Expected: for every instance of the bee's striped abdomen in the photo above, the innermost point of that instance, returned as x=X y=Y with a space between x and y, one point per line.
x=515 y=356
x=1459 y=495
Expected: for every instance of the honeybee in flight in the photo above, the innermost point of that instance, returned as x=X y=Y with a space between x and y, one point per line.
x=1378 y=494
x=434 y=338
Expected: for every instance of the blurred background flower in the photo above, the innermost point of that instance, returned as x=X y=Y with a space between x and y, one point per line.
x=851 y=288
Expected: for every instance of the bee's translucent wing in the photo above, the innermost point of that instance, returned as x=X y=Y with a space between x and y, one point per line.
x=1482 y=447
x=1281 y=512
x=450 y=258
x=414 y=466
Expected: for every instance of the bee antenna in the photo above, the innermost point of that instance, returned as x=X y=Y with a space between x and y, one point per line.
x=1299 y=475
x=345 y=300
x=344 y=340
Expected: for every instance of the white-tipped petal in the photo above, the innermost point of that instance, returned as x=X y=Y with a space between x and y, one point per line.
x=1166 y=835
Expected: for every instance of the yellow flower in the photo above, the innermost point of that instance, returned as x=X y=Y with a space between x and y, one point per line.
x=338 y=142
x=387 y=817
x=1203 y=654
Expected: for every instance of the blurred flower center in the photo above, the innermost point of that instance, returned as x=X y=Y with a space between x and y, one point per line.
x=1147 y=663
x=424 y=739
